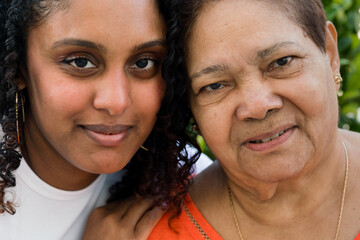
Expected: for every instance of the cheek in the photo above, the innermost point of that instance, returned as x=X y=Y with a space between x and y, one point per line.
x=309 y=94
x=50 y=89
x=147 y=99
x=315 y=100
x=316 y=90
x=52 y=95
x=214 y=122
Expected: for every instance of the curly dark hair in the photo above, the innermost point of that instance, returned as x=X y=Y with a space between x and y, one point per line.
x=162 y=173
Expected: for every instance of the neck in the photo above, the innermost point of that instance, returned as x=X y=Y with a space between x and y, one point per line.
x=317 y=187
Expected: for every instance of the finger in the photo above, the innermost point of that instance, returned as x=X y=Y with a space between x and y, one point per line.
x=120 y=205
x=135 y=211
x=147 y=223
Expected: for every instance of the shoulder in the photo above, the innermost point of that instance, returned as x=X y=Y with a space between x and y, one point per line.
x=177 y=230
x=352 y=141
x=352 y=137
x=190 y=224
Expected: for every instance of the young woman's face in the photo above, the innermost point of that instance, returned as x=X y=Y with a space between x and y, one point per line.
x=94 y=83
x=262 y=92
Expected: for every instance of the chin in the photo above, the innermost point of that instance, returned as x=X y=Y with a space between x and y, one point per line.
x=277 y=174
x=110 y=162
x=105 y=166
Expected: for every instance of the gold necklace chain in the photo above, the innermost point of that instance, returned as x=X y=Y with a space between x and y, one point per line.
x=196 y=224
x=341 y=207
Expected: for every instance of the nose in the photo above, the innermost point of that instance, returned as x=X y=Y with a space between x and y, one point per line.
x=113 y=93
x=257 y=100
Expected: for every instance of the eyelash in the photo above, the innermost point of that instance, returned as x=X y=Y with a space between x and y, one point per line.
x=69 y=60
x=273 y=67
x=148 y=58
x=209 y=89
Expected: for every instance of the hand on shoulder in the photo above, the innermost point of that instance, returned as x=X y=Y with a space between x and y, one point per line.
x=132 y=219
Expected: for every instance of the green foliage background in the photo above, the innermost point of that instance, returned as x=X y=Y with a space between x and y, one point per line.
x=346 y=17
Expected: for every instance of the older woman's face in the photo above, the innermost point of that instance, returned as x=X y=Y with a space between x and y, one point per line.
x=262 y=92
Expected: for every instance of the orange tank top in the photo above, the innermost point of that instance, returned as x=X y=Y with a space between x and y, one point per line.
x=185 y=227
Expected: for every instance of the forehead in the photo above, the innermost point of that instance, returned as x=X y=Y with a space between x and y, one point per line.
x=103 y=21
x=243 y=26
x=232 y=16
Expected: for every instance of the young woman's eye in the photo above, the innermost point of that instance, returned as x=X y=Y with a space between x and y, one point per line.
x=80 y=62
x=144 y=64
x=282 y=61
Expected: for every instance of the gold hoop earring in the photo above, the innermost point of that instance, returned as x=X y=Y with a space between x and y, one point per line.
x=144 y=148
x=337 y=78
x=22 y=107
x=17 y=114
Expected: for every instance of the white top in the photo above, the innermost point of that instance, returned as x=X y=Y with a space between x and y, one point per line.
x=46 y=213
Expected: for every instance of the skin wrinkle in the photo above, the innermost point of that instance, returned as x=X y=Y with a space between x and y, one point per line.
x=264 y=53
x=213 y=69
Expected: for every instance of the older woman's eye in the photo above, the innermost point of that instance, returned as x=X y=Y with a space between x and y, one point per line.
x=80 y=62
x=282 y=61
x=213 y=87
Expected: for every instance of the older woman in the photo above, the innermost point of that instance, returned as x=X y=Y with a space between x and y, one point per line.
x=81 y=95
x=262 y=79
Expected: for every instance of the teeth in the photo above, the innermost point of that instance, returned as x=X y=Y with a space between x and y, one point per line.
x=276 y=135
x=282 y=132
x=266 y=140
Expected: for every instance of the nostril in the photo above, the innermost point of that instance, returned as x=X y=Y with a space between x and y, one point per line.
x=270 y=110
x=253 y=118
x=249 y=119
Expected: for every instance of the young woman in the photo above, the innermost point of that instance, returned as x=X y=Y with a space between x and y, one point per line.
x=81 y=92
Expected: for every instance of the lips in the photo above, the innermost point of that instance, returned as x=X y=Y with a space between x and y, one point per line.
x=273 y=137
x=107 y=130
x=270 y=140
x=105 y=135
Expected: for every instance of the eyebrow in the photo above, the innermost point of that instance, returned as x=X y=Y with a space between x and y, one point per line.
x=80 y=43
x=158 y=42
x=88 y=44
x=260 y=55
x=210 y=70
x=270 y=50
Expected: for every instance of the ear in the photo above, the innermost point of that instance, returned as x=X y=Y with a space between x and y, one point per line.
x=331 y=48
x=20 y=79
